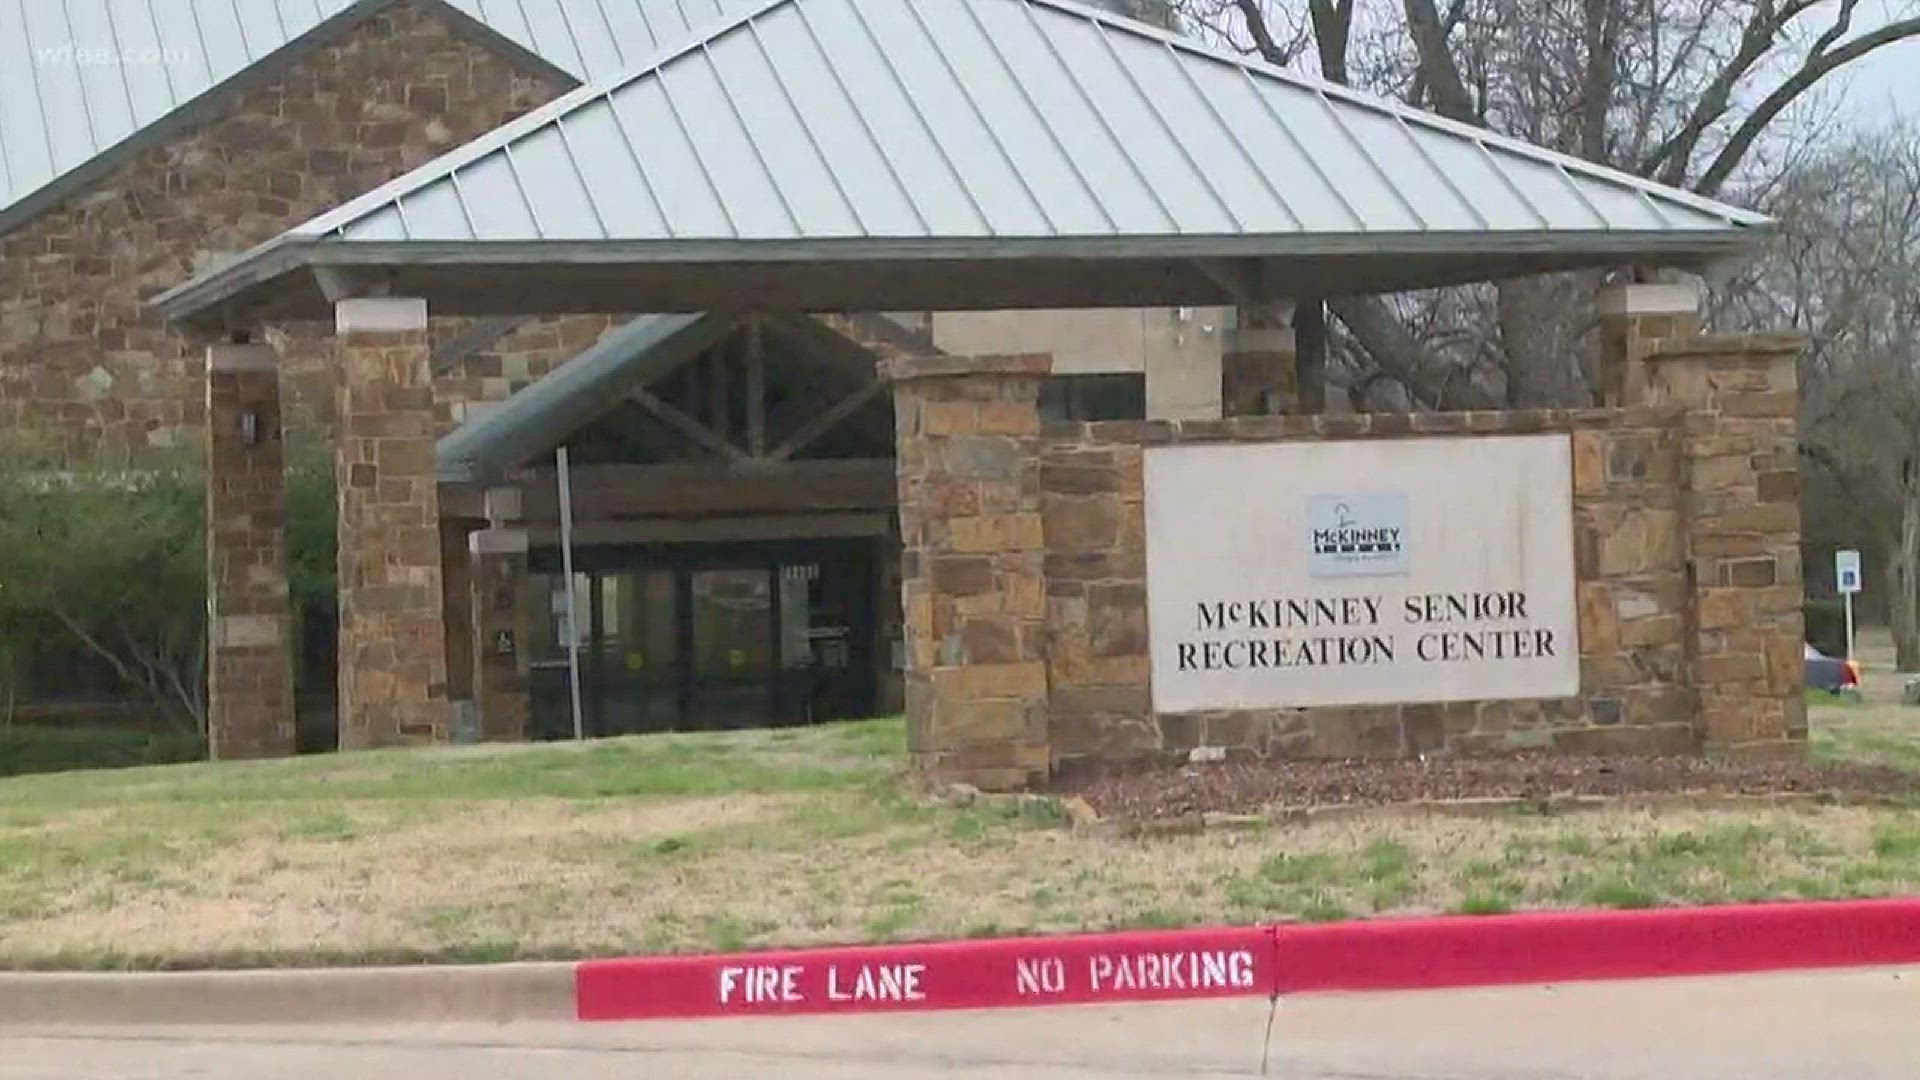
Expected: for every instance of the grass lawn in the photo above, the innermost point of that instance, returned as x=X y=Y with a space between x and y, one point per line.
x=733 y=841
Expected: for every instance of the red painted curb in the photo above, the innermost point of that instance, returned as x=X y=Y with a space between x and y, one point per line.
x=1384 y=954
x=1075 y=970
x=1574 y=946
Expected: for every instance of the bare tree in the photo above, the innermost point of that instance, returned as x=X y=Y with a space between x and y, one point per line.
x=1846 y=269
x=1694 y=93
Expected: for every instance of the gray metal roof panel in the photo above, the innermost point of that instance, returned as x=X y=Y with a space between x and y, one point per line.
x=540 y=417
x=889 y=119
x=79 y=78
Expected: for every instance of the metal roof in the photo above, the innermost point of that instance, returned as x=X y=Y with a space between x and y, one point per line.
x=807 y=130
x=79 y=78
x=541 y=416
x=1018 y=118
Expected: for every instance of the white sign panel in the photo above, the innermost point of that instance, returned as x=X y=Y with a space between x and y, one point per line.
x=1846 y=571
x=1363 y=572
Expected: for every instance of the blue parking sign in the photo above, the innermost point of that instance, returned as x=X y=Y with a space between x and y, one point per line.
x=1846 y=571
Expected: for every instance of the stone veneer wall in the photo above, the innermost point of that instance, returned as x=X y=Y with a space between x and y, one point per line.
x=1686 y=552
x=971 y=566
x=78 y=346
x=393 y=681
x=1629 y=556
x=1741 y=476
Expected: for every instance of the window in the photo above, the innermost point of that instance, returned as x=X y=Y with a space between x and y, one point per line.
x=1120 y=396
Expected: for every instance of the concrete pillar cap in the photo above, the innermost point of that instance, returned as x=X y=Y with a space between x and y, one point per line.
x=1663 y=298
x=222 y=359
x=380 y=315
x=497 y=541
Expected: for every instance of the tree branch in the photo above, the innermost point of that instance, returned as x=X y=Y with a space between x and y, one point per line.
x=1332 y=30
x=1818 y=66
x=1596 y=90
x=1400 y=354
x=1672 y=157
x=1437 y=67
x=1263 y=41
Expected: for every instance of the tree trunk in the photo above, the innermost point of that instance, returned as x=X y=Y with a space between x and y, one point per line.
x=1905 y=602
x=1543 y=363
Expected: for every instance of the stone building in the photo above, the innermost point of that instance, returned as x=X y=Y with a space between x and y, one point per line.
x=140 y=147
x=754 y=462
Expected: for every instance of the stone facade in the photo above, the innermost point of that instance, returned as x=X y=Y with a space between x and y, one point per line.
x=78 y=346
x=1628 y=542
x=393 y=645
x=1742 y=533
x=1685 y=550
x=502 y=367
x=973 y=565
x=250 y=662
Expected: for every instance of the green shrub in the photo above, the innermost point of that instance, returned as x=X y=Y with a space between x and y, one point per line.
x=32 y=749
x=1827 y=626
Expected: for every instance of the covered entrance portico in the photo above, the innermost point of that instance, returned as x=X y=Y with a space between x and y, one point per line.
x=731 y=515
x=1034 y=154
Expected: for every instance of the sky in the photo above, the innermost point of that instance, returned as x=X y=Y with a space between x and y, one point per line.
x=1884 y=85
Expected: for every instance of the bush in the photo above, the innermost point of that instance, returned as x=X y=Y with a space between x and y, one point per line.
x=32 y=749
x=1827 y=626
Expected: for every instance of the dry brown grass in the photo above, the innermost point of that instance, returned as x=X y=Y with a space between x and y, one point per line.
x=723 y=842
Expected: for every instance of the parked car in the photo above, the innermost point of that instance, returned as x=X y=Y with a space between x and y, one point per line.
x=1830 y=673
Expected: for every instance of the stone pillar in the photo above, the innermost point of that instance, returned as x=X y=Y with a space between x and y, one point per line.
x=393 y=646
x=1742 y=528
x=497 y=567
x=972 y=570
x=1257 y=367
x=250 y=701
x=1636 y=319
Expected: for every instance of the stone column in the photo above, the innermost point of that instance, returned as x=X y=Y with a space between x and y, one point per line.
x=1742 y=528
x=1635 y=319
x=250 y=702
x=497 y=566
x=972 y=571
x=1257 y=367
x=393 y=648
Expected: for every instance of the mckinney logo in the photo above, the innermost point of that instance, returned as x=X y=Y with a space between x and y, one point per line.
x=1357 y=535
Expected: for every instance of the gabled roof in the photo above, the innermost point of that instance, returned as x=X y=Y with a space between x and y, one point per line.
x=80 y=79
x=810 y=130
x=817 y=119
x=541 y=416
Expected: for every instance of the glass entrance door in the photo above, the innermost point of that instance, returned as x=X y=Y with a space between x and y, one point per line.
x=633 y=659
x=688 y=639
x=734 y=648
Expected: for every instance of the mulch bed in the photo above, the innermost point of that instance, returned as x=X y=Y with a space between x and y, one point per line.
x=1250 y=787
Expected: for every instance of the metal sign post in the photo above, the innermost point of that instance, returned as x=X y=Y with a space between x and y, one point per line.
x=573 y=597
x=1846 y=573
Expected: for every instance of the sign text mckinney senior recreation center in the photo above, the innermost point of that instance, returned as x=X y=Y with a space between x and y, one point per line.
x=1369 y=629
x=1363 y=572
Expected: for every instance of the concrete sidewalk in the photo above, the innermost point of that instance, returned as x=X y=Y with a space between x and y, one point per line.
x=1862 y=1025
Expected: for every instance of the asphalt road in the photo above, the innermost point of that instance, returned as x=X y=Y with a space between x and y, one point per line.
x=1861 y=1025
